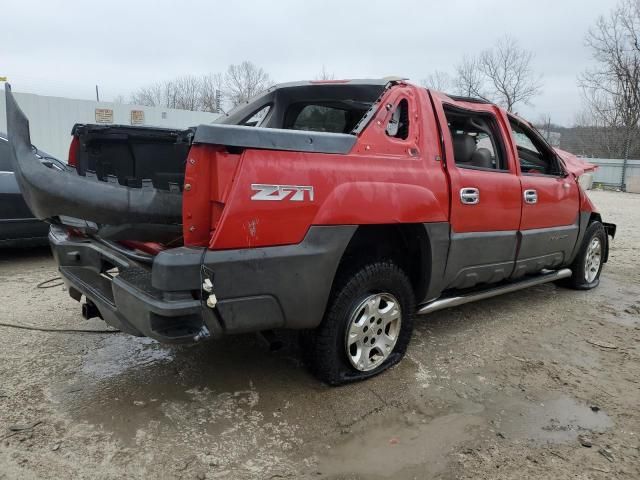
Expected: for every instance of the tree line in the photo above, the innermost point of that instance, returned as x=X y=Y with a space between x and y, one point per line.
x=500 y=74
x=215 y=92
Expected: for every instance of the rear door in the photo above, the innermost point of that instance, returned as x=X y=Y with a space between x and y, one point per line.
x=485 y=193
x=550 y=221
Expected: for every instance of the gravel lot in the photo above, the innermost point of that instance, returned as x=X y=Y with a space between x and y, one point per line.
x=507 y=388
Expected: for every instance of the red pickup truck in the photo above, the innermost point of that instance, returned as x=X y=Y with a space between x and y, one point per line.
x=340 y=208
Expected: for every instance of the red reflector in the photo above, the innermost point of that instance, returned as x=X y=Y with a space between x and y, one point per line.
x=152 y=248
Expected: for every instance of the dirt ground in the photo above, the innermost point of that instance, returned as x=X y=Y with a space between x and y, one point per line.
x=508 y=388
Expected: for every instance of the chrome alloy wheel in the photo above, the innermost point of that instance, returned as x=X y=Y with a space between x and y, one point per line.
x=592 y=262
x=373 y=331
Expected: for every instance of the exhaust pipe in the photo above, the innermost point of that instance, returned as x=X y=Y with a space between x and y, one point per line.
x=89 y=310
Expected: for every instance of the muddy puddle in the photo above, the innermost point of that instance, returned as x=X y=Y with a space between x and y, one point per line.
x=398 y=447
x=412 y=446
x=134 y=388
x=615 y=302
x=230 y=398
x=119 y=354
x=555 y=420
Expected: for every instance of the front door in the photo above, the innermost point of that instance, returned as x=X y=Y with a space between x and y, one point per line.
x=549 y=225
x=485 y=194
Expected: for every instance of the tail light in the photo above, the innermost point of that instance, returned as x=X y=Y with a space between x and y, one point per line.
x=73 y=152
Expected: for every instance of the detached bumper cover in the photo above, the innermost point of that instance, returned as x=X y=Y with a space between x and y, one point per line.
x=257 y=289
x=51 y=193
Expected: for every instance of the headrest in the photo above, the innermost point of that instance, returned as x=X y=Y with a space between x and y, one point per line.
x=482 y=158
x=463 y=147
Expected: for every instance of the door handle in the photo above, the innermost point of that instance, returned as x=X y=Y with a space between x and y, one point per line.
x=469 y=196
x=530 y=196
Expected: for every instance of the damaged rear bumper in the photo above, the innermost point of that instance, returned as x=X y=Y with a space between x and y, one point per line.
x=121 y=290
x=257 y=289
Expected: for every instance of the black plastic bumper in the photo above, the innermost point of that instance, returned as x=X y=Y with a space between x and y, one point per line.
x=257 y=289
x=124 y=297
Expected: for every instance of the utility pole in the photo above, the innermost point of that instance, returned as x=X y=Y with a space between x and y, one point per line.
x=97 y=94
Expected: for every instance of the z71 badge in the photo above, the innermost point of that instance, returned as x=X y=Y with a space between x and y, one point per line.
x=295 y=193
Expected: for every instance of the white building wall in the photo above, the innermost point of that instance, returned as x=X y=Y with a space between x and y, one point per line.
x=51 y=118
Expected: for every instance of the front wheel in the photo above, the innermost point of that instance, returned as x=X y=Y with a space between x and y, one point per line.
x=588 y=263
x=367 y=325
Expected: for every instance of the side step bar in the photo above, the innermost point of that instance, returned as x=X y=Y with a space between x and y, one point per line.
x=493 y=292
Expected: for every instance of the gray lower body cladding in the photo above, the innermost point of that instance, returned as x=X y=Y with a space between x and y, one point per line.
x=257 y=289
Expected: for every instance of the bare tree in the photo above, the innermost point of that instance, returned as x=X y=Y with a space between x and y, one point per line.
x=469 y=81
x=611 y=90
x=507 y=67
x=119 y=99
x=150 y=96
x=187 y=93
x=438 y=80
x=244 y=81
x=211 y=92
x=502 y=74
x=325 y=75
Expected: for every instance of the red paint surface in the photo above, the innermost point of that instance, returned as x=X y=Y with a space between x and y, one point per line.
x=382 y=180
x=500 y=197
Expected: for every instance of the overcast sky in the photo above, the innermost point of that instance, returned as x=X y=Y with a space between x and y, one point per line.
x=65 y=48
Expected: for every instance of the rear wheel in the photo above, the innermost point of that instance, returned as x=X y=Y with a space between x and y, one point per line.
x=367 y=325
x=588 y=263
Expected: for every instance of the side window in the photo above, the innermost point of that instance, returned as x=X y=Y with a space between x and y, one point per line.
x=398 y=126
x=476 y=140
x=535 y=158
x=257 y=118
x=5 y=162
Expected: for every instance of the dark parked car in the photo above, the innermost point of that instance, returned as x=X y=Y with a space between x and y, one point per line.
x=18 y=226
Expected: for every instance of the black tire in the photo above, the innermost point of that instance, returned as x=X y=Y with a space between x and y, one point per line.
x=325 y=348
x=578 y=279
